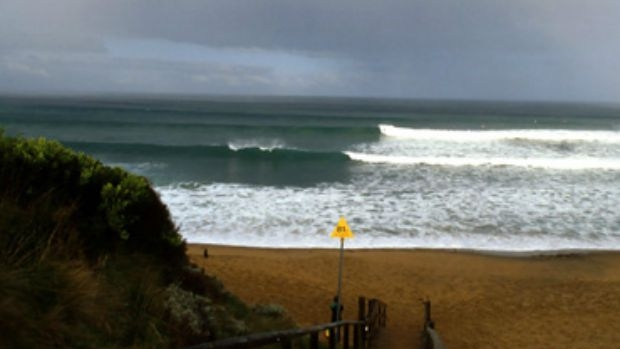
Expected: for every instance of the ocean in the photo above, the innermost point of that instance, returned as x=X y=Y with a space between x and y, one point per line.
x=279 y=172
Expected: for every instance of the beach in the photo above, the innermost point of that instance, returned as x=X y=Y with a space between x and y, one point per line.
x=478 y=300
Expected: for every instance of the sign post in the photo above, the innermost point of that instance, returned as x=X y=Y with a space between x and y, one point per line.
x=342 y=231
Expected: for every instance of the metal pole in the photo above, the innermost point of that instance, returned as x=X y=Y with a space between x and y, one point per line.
x=340 y=279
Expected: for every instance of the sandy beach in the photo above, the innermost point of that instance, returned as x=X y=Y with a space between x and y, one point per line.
x=479 y=301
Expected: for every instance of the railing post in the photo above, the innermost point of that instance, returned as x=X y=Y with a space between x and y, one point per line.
x=426 y=338
x=383 y=315
x=357 y=334
x=345 y=338
x=361 y=316
x=372 y=312
x=332 y=338
x=427 y=313
x=287 y=344
x=314 y=340
x=361 y=309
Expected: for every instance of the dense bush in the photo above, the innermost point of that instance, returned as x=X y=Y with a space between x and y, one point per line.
x=89 y=257
x=109 y=207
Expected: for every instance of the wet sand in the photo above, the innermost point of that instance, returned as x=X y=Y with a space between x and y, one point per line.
x=478 y=301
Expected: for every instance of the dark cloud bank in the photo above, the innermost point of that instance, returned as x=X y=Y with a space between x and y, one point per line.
x=481 y=49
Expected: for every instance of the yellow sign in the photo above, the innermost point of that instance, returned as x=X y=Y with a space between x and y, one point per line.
x=342 y=230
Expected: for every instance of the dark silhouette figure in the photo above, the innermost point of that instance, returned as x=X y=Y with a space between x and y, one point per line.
x=334 y=308
x=334 y=334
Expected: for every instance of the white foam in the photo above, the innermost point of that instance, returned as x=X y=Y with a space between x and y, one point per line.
x=436 y=210
x=499 y=135
x=269 y=145
x=570 y=163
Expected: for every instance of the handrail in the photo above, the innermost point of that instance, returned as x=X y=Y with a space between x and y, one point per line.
x=364 y=329
x=435 y=339
x=430 y=337
x=260 y=339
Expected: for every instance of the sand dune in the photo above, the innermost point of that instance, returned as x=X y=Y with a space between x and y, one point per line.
x=479 y=301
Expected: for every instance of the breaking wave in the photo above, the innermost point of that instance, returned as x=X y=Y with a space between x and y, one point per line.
x=557 y=136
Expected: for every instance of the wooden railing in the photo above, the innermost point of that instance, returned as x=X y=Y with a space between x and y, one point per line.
x=285 y=338
x=363 y=330
x=430 y=337
x=376 y=318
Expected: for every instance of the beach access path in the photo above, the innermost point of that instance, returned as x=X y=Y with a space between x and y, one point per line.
x=479 y=301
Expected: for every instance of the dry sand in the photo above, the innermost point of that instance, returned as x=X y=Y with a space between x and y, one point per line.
x=479 y=301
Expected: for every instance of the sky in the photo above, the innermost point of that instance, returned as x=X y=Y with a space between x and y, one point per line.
x=564 y=50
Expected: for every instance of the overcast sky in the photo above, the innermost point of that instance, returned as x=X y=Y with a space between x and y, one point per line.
x=475 y=49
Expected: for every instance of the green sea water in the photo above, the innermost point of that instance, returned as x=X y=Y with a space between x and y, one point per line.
x=280 y=171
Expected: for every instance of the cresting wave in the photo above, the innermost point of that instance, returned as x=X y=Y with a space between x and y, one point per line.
x=612 y=137
x=240 y=146
x=277 y=152
x=251 y=152
x=535 y=149
x=545 y=163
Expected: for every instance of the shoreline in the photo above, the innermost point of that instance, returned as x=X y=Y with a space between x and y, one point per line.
x=495 y=253
x=478 y=300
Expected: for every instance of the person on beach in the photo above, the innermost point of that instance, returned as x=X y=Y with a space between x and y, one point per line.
x=336 y=316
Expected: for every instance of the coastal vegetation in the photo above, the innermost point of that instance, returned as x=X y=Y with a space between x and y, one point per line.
x=90 y=257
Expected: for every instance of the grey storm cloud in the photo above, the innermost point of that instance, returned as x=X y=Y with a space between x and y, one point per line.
x=555 y=49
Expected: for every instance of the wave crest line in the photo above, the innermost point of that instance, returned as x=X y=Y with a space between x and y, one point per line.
x=464 y=136
x=546 y=163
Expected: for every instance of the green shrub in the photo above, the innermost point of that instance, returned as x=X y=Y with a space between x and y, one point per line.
x=89 y=257
x=111 y=208
x=85 y=251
